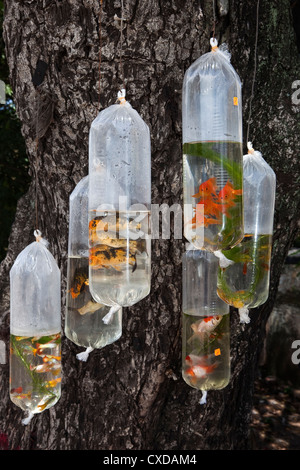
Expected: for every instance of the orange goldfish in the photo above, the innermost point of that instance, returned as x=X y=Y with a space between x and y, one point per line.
x=198 y=372
x=111 y=258
x=207 y=324
x=202 y=220
x=212 y=208
x=193 y=359
x=80 y=281
x=109 y=227
x=207 y=189
x=48 y=358
x=54 y=382
x=16 y=390
x=227 y=195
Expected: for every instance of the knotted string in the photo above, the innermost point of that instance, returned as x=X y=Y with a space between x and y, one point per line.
x=108 y=317
x=203 y=398
x=29 y=417
x=83 y=356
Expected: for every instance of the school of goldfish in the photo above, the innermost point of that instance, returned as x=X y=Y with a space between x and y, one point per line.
x=50 y=363
x=199 y=366
x=108 y=248
x=215 y=203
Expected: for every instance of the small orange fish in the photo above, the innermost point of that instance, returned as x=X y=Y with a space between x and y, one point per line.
x=44 y=405
x=199 y=372
x=17 y=390
x=206 y=219
x=40 y=369
x=211 y=205
x=80 y=281
x=52 y=383
x=193 y=359
x=208 y=188
x=227 y=195
x=204 y=327
x=98 y=224
x=202 y=221
x=48 y=358
x=207 y=324
x=111 y=258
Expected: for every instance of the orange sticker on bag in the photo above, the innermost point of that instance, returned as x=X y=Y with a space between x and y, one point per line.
x=235 y=101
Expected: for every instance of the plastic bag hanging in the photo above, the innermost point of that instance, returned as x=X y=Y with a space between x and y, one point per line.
x=35 y=329
x=212 y=152
x=245 y=283
x=119 y=206
x=85 y=319
x=205 y=324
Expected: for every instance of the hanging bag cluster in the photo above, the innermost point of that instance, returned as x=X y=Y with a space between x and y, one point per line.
x=228 y=219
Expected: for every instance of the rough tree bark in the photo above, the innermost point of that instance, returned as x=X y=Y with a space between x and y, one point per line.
x=130 y=395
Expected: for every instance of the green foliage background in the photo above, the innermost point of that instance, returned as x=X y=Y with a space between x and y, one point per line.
x=14 y=177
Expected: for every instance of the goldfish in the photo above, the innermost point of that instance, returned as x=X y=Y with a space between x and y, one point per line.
x=211 y=205
x=109 y=240
x=39 y=350
x=111 y=258
x=199 y=372
x=44 y=405
x=52 y=383
x=80 y=281
x=40 y=368
x=205 y=326
x=201 y=220
x=17 y=390
x=48 y=358
x=109 y=226
x=90 y=307
x=193 y=359
x=208 y=188
x=227 y=195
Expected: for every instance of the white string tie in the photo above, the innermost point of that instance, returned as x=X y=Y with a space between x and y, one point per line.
x=203 y=398
x=109 y=316
x=29 y=417
x=244 y=317
x=83 y=356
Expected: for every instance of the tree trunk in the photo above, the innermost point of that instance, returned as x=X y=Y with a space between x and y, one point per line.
x=130 y=395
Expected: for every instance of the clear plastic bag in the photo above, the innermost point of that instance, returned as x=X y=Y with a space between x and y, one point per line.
x=205 y=324
x=212 y=152
x=85 y=319
x=119 y=206
x=245 y=283
x=35 y=329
